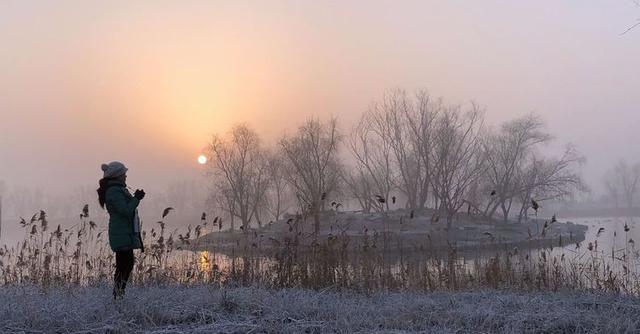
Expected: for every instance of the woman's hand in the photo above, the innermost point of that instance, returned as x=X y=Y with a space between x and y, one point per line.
x=139 y=194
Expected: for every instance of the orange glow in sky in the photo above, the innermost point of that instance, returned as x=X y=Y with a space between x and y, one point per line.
x=149 y=82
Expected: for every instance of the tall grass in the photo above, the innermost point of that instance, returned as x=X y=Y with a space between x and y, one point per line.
x=373 y=262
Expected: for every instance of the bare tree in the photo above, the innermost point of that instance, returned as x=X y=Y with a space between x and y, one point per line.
x=239 y=165
x=506 y=152
x=626 y=179
x=361 y=187
x=277 y=200
x=313 y=164
x=457 y=157
x=421 y=126
x=549 y=179
x=373 y=179
x=611 y=187
x=221 y=199
x=405 y=126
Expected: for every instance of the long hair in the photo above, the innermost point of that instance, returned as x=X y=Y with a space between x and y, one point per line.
x=102 y=191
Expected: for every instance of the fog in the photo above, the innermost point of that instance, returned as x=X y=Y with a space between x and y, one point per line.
x=148 y=83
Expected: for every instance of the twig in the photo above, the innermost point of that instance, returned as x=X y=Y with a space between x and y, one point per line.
x=631 y=28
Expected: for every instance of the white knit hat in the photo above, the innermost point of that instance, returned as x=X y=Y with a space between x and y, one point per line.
x=114 y=169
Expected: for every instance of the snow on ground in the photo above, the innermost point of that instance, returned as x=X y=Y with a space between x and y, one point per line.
x=204 y=309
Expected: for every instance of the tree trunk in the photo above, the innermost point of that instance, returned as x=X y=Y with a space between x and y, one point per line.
x=492 y=211
x=523 y=211
x=316 y=222
x=450 y=215
x=505 y=213
x=506 y=209
x=244 y=221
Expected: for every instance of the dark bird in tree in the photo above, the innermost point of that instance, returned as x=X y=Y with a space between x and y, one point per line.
x=493 y=192
x=626 y=227
x=600 y=230
x=166 y=211
x=204 y=216
x=380 y=199
x=535 y=206
x=85 y=211
x=393 y=199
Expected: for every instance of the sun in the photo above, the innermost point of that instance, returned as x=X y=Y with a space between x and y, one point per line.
x=202 y=159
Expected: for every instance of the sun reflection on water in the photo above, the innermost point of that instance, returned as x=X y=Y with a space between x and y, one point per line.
x=204 y=260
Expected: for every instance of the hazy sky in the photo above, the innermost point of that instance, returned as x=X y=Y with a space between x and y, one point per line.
x=87 y=82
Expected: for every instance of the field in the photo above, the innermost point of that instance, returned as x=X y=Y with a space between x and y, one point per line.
x=205 y=309
x=58 y=280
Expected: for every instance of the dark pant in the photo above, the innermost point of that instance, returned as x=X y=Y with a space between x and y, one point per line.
x=124 y=265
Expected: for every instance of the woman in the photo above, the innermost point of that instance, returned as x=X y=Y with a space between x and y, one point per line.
x=124 y=226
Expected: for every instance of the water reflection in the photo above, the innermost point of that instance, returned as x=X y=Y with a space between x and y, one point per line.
x=612 y=249
x=204 y=263
x=609 y=233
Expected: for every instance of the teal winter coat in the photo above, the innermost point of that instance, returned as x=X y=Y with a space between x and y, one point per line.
x=122 y=212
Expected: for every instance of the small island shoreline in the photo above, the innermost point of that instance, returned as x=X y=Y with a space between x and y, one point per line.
x=395 y=231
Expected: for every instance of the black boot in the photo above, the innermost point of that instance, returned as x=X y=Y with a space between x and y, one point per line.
x=118 y=292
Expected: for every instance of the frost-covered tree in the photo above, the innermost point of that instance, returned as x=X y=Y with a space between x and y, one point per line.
x=457 y=156
x=611 y=187
x=239 y=167
x=507 y=151
x=624 y=180
x=313 y=166
x=403 y=127
x=277 y=199
x=372 y=178
x=549 y=179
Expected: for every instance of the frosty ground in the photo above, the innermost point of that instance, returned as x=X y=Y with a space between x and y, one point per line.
x=205 y=309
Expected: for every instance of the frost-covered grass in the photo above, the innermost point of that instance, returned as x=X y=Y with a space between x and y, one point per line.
x=204 y=309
